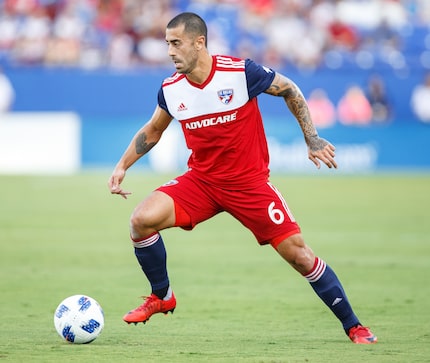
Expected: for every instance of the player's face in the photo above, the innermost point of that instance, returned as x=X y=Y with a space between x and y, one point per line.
x=182 y=49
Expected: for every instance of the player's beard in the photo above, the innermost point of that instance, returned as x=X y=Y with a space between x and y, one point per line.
x=186 y=67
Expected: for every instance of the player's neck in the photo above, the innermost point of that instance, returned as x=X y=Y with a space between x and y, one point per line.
x=202 y=70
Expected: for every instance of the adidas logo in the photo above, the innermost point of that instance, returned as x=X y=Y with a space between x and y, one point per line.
x=336 y=301
x=182 y=107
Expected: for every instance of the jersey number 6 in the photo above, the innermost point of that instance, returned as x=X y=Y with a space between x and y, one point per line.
x=275 y=214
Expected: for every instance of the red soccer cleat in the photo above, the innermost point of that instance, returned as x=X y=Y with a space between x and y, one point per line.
x=152 y=305
x=362 y=335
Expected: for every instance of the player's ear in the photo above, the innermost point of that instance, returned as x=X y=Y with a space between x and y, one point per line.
x=200 y=42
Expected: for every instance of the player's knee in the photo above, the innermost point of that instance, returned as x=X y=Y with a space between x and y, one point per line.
x=142 y=221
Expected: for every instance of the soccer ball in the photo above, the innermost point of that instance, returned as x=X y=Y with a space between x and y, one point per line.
x=79 y=319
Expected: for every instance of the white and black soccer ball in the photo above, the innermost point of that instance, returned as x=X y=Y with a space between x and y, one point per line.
x=79 y=319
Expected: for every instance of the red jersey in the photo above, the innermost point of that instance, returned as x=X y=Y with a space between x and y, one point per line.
x=221 y=121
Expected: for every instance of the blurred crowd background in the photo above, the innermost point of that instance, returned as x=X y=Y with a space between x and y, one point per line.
x=290 y=35
x=295 y=33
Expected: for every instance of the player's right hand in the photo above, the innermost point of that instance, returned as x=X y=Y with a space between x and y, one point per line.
x=115 y=181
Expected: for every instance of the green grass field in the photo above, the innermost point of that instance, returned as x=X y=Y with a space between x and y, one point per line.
x=237 y=302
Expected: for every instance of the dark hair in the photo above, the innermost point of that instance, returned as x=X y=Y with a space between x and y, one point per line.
x=194 y=24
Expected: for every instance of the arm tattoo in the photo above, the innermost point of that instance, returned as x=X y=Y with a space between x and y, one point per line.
x=295 y=101
x=142 y=147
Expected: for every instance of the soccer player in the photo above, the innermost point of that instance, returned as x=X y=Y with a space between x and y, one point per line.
x=214 y=98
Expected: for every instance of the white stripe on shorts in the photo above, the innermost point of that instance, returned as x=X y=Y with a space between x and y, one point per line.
x=284 y=203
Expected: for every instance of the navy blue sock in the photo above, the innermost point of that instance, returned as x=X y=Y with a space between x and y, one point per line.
x=328 y=287
x=151 y=255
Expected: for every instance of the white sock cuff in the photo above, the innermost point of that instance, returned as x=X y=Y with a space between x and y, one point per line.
x=317 y=271
x=147 y=241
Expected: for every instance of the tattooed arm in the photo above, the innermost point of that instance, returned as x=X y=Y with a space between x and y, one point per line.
x=318 y=148
x=143 y=141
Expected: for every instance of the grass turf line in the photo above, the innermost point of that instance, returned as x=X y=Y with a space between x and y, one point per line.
x=237 y=302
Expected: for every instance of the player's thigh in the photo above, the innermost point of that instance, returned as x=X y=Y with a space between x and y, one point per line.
x=193 y=197
x=265 y=212
x=156 y=211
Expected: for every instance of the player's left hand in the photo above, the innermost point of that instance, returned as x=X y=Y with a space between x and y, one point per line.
x=321 y=149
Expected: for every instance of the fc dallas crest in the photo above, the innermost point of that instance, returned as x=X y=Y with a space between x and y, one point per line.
x=225 y=96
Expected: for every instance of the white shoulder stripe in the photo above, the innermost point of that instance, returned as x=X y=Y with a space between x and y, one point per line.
x=234 y=66
x=228 y=62
x=172 y=79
